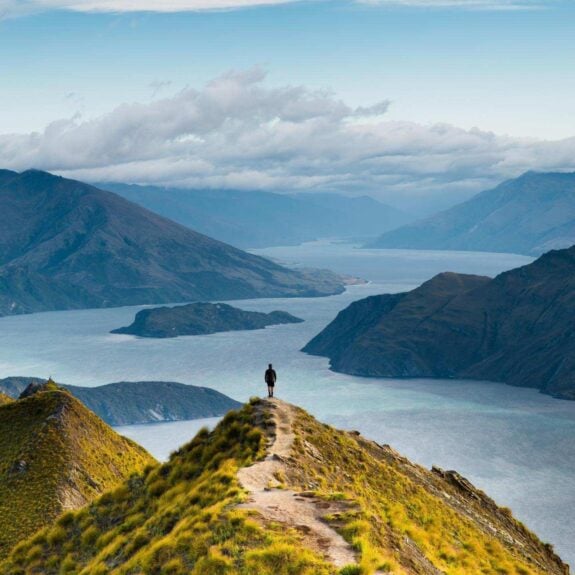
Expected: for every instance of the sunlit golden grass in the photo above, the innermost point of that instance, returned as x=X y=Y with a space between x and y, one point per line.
x=50 y=445
x=391 y=509
x=174 y=519
x=181 y=518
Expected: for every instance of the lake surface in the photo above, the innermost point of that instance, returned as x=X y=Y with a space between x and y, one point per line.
x=516 y=444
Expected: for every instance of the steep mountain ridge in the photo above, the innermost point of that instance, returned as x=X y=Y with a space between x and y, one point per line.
x=255 y=219
x=135 y=402
x=529 y=215
x=67 y=245
x=204 y=512
x=516 y=328
x=56 y=455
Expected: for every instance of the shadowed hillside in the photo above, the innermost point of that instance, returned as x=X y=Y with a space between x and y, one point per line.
x=201 y=318
x=516 y=328
x=529 y=215
x=68 y=245
x=252 y=219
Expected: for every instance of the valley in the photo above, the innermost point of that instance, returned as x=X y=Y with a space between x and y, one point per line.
x=491 y=433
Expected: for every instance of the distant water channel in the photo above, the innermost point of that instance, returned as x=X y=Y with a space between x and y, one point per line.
x=516 y=444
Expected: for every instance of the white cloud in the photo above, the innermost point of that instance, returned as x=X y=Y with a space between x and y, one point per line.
x=237 y=132
x=11 y=8
x=470 y=4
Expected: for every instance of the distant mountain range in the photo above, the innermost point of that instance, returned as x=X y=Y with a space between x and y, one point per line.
x=517 y=328
x=253 y=219
x=200 y=319
x=131 y=402
x=68 y=245
x=528 y=215
x=55 y=456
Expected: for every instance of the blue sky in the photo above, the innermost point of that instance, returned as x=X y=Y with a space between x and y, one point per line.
x=507 y=69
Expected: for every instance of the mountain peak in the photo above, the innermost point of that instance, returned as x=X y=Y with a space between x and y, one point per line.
x=67 y=245
x=40 y=387
x=55 y=455
x=272 y=490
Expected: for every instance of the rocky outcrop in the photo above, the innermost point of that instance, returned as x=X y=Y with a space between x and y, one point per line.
x=516 y=328
x=201 y=319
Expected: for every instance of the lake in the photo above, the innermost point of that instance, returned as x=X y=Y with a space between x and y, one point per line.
x=516 y=444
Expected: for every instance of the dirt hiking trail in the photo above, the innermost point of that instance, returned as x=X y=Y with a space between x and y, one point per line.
x=303 y=513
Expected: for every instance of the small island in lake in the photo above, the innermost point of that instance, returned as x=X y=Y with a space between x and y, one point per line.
x=201 y=319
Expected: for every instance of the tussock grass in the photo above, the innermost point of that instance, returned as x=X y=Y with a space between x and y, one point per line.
x=55 y=452
x=391 y=512
x=179 y=518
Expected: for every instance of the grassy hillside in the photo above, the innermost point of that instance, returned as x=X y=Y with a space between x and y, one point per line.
x=408 y=519
x=182 y=517
x=4 y=399
x=56 y=455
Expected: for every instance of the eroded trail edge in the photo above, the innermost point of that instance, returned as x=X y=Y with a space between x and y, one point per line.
x=285 y=506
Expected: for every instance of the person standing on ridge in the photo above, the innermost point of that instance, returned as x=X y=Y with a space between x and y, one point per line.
x=270 y=378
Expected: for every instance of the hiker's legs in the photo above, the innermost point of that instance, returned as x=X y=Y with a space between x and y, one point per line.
x=270 y=391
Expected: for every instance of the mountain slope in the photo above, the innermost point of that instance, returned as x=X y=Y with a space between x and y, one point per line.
x=516 y=328
x=65 y=245
x=250 y=219
x=4 y=399
x=191 y=515
x=201 y=318
x=130 y=402
x=528 y=215
x=56 y=455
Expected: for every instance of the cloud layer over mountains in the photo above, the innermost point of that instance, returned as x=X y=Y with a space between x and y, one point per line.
x=239 y=132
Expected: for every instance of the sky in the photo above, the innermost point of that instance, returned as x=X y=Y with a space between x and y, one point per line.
x=402 y=99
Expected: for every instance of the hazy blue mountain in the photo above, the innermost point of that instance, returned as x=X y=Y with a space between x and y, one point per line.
x=65 y=245
x=133 y=402
x=200 y=319
x=518 y=328
x=250 y=219
x=528 y=215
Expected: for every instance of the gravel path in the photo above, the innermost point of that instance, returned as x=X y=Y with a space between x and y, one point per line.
x=288 y=507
